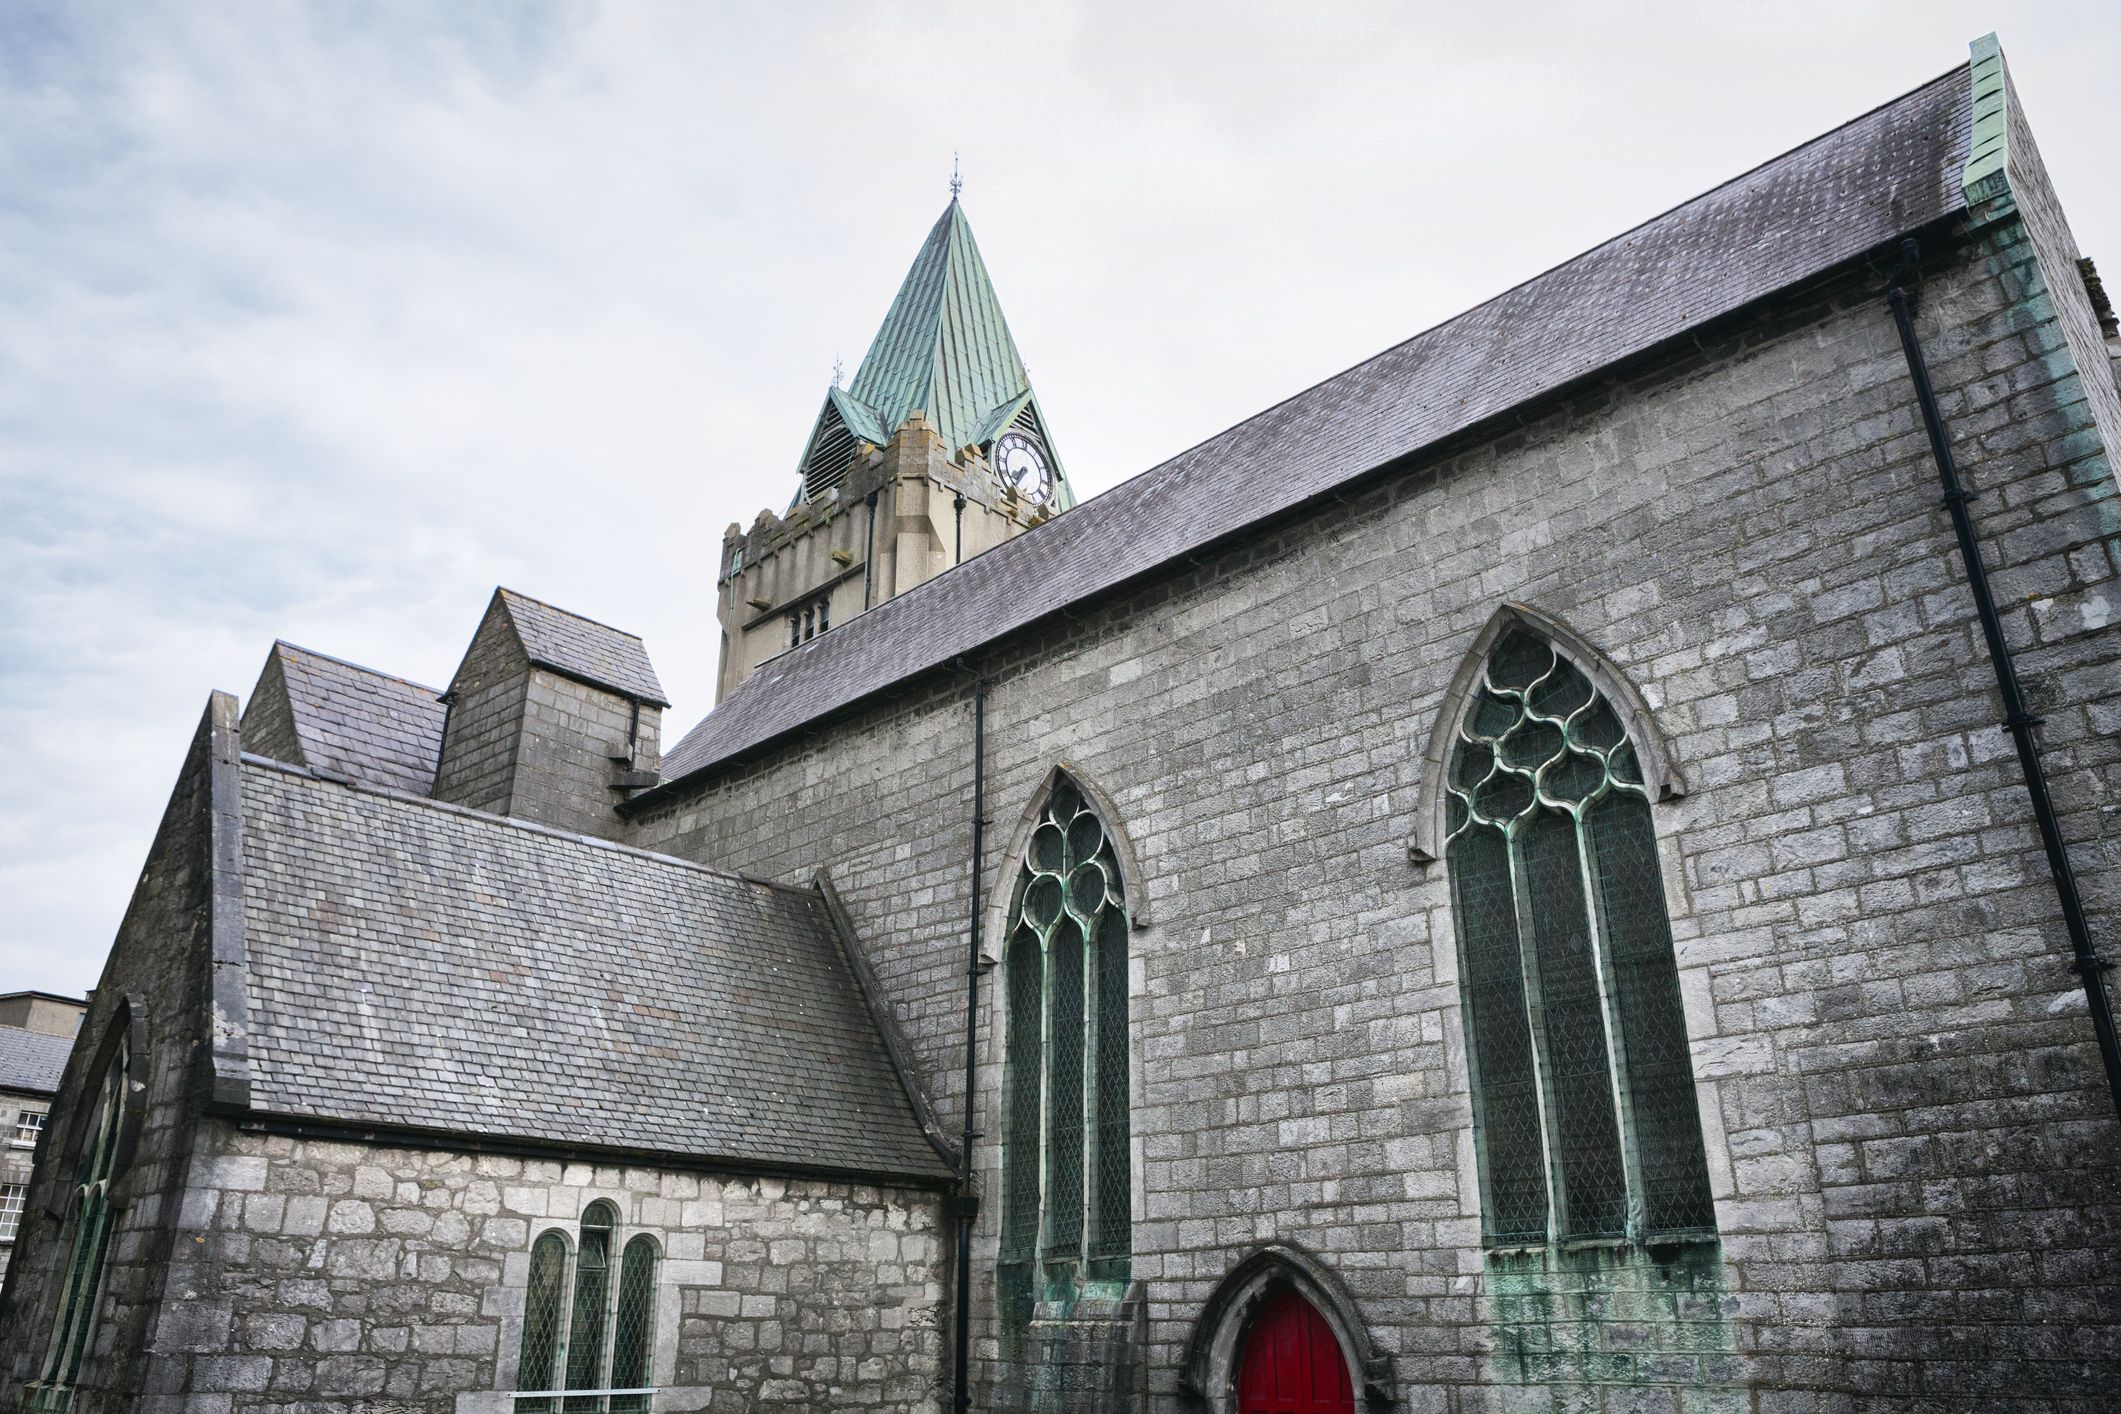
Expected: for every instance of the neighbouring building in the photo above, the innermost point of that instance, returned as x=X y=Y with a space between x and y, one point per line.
x=1507 y=881
x=36 y=1032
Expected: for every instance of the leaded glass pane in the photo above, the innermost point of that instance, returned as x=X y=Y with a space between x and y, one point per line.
x=592 y=1302
x=1505 y=1087
x=1064 y=1091
x=86 y=1236
x=1112 y=1180
x=633 y=1328
x=538 y=1360
x=1021 y=1079
x=1667 y=1119
x=1518 y=661
x=1583 y=1131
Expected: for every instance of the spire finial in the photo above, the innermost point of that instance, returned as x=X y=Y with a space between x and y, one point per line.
x=839 y=370
x=957 y=182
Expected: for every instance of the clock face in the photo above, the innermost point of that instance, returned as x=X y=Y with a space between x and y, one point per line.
x=1021 y=463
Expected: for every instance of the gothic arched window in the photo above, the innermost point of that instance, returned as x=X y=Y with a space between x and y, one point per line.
x=565 y=1342
x=1583 y=1092
x=85 y=1238
x=1066 y=1176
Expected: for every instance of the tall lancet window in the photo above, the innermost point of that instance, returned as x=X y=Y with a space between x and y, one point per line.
x=1582 y=1087
x=97 y=1165
x=1066 y=1176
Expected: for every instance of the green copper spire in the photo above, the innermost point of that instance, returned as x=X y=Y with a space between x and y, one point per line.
x=944 y=350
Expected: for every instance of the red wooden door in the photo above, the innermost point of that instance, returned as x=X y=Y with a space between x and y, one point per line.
x=1292 y=1364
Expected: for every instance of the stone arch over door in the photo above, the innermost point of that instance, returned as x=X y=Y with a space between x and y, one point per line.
x=1207 y=1381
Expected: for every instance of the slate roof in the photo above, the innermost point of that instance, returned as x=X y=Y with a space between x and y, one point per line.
x=31 y=1061
x=417 y=965
x=1863 y=184
x=357 y=722
x=583 y=648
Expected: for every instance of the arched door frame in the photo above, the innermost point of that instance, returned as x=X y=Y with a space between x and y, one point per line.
x=1207 y=1382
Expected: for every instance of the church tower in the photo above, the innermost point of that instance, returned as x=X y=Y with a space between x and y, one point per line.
x=936 y=451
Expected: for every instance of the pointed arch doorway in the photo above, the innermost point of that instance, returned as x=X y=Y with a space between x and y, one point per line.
x=1292 y=1362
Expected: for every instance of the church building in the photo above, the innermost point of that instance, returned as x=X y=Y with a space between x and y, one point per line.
x=1579 y=891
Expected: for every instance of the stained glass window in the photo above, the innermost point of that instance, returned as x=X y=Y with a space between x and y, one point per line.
x=542 y=1323
x=596 y=1344
x=1582 y=1087
x=633 y=1328
x=85 y=1238
x=1066 y=1174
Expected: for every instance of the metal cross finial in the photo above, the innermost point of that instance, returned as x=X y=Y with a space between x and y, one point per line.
x=839 y=371
x=957 y=182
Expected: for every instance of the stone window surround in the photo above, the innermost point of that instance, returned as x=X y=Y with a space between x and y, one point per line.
x=29 y=1123
x=672 y=1275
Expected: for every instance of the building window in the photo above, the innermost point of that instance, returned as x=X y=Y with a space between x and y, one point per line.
x=12 y=1196
x=28 y=1125
x=85 y=1238
x=809 y=621
x=588 y=1347
x=1066 y=1174
x=1583 y=1091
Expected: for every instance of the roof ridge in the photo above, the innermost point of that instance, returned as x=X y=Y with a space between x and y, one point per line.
x=278 y=643
x=911 y=594
x=570 y=613
x=332 y=778
x=1507 y=291
x=1837 y=179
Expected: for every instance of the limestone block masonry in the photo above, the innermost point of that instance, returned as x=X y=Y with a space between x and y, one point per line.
x=350 y=1277
x=1911 y=1151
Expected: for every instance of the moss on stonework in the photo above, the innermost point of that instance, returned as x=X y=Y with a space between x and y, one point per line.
x=1616 y=1315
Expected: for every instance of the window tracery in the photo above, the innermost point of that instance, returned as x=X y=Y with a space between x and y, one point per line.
x=85 y=1237
x=1066 y=1171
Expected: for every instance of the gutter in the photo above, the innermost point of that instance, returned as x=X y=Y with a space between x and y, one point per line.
x=2085 y=960
x=405 y=1136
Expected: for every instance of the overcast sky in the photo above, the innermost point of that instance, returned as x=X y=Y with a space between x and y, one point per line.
x=319 y=321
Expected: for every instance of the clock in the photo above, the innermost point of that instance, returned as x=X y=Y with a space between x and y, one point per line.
x=1022 y=465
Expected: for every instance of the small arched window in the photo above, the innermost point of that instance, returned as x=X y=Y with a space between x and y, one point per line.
x=1066 y=1171
x=85 y=1238
x=1583 y=1092
x=544 y=1333
x=591 y=1352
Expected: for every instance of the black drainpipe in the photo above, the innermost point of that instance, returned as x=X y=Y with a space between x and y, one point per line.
x=869 y=553
x=2087 y=963
x=966 y=1203
x=960 y=555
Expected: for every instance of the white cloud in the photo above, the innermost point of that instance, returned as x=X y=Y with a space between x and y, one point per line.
x=319 y=322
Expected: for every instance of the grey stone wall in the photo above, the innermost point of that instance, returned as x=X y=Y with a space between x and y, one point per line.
x=269 y=720
x=563 y=765
x=484 y=728
x=332 y=1276
x=525 y=741
x=159 y=964
x=1910 y=1148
